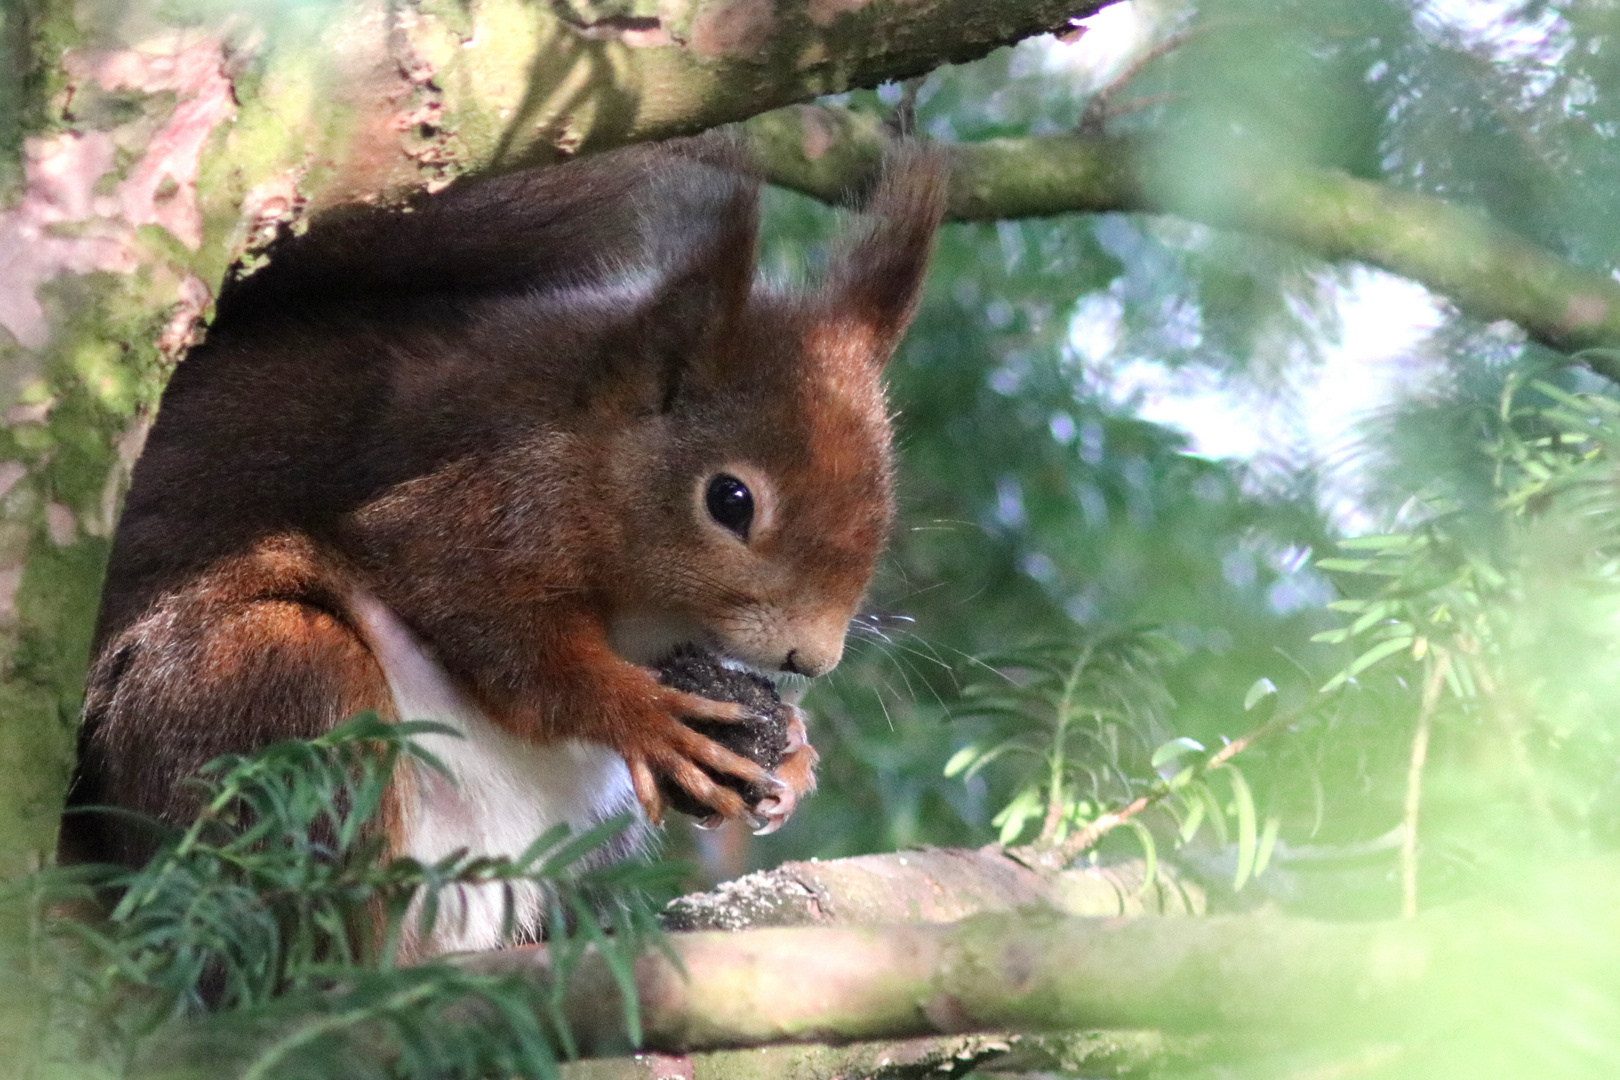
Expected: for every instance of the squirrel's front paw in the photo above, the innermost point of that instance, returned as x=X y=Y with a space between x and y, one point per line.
x=795 y=774
x=773 y=736
x=669 y=759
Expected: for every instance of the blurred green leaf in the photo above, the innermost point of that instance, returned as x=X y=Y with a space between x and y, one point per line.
x=1243 y=807
x=1262 y=689
x=1268 y=841
x=1013 y=817
x=1150 y=853
x=962 y=759
x=1175 y=748
x=1196 y=808
x=1385 y=542
x=1367 y=659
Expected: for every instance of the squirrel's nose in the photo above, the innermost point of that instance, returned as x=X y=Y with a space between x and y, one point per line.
x=815 y=654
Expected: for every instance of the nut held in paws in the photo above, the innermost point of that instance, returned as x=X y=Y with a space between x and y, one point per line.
x=764 y=741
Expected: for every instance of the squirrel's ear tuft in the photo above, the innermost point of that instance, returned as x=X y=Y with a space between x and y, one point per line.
x=708 y=258
x=876 y=279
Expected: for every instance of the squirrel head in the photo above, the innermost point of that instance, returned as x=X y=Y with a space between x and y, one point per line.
x=755 y=474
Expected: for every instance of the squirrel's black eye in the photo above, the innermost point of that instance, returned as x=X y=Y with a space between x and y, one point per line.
x=730 y=503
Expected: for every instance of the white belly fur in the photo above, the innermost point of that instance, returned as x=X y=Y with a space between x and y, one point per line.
x=506 y=791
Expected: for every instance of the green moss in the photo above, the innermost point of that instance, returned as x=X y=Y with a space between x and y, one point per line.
x=14 y=59
x=32 y=441
x=57 y=601
x=99 y=370
x=37 y=748
x=53 y=31
x=456 y=15
x=97 y=364
x=290 y=113
x=34 y=392
x=42 y=693
x=160 y=243
x=494 y=85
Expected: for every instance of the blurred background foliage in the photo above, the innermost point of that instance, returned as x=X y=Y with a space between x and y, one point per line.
x=1125 y=425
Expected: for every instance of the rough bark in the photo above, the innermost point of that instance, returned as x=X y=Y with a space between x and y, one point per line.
x=933 y=885
x=1098 y=1054
x=144 y=147
x=1486 y=270
x=1026 y=972
x=890 y=1060
x=1267 y=979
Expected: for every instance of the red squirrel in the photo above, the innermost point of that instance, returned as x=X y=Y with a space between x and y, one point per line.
x=480 y=460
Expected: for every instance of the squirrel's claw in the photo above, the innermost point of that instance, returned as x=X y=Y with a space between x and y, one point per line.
x=795 y=776
x=774 y=810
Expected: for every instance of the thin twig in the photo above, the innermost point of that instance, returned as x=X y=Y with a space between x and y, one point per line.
x=1414 y=780
x=902 y=119
x=1137 y=104
x=1096 y=112
x=1106 y=824
x=1087 y=837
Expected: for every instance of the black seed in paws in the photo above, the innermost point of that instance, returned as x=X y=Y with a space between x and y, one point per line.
x=764 y=741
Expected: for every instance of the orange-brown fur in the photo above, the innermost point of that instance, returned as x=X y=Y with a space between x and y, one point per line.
x=494 y=415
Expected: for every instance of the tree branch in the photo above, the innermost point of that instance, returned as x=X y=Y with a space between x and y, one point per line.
x=1236 y=976
x=1486 y=270
x=624 y=80
x=933 y=885
x=1099 y=1054
x=1009 y=972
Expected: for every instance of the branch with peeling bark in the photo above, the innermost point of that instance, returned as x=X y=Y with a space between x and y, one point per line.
x=1011 y=986
x=1024 y=972
x=1095 y=1054
x=933 y=885
x=1486 y=270
x=1396 y=984
x=936 y=886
